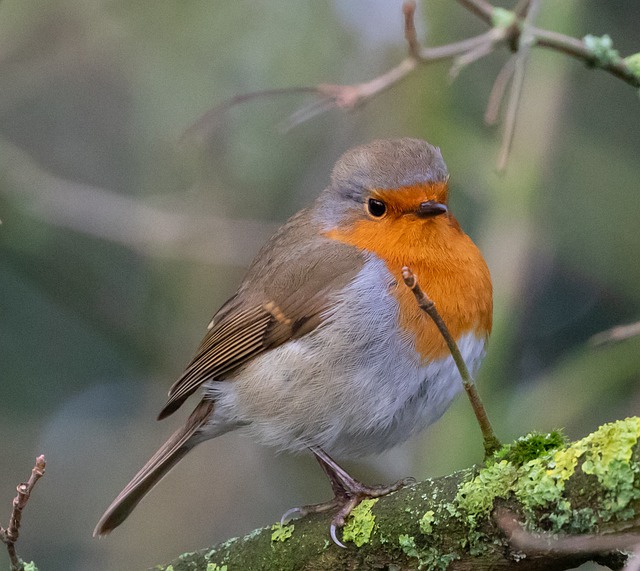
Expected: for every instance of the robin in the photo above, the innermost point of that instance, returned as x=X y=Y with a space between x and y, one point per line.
x=323 y=348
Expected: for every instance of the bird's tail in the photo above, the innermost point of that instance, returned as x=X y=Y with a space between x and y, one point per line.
x=180 y=442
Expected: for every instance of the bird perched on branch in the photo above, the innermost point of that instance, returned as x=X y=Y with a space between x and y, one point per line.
x=323 y=348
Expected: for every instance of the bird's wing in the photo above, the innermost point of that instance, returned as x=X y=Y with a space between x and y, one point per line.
x=304 y=278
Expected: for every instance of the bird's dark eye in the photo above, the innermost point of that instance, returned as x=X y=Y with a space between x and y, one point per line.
x=376 y=208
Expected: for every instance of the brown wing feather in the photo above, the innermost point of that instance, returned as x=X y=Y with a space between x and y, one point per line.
x=304 y=275
x=226 y=346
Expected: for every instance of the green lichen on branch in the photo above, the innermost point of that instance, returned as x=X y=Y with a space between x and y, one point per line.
x=601 y=47
x=633 y=63
x=359 y=526
x=590 y=485
x=540 y=482
x=281 y=532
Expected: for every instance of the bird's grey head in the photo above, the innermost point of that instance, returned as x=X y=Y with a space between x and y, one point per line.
x=388 y=163
x=379 y=165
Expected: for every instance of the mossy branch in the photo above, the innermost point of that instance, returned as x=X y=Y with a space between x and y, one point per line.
x=585 y=488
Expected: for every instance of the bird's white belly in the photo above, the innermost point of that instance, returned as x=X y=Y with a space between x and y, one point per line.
x=353 y=386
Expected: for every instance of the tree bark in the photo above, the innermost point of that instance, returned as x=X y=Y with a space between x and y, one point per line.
x=586 y=488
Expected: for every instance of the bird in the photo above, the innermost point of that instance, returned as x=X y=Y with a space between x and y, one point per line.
x=323 y=348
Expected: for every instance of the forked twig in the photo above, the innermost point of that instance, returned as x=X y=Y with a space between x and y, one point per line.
x=10 y=535
x=491 y=442
x=546 y=543
x=514 y=29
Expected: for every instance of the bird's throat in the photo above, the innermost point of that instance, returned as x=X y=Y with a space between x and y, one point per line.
x=449 y=266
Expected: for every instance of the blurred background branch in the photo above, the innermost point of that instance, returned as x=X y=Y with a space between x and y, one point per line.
x=149 y=226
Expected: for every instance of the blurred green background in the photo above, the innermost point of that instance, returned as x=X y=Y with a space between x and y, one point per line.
x=120 y=238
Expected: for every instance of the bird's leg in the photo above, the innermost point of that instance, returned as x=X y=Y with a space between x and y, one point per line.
x=347 y=493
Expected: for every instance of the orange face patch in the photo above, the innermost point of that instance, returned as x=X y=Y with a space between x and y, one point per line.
x=449 y=266
x=408 y=198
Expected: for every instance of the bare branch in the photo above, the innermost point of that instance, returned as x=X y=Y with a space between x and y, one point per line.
x=522 y=8
x=491 y=442
x=525 y=41
x=619 y=333
x=480 y=50
x=409 y=10
x=10 y=535
x=147 y=227
x=491 y=37
x=480 y=8
x=498 y=90
x=201 y=128
x=513 y=29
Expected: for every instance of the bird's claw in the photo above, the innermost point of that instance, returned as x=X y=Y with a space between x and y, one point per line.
x=333 y=530
x=292 y=513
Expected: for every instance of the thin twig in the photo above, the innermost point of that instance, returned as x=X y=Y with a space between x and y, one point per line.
x=468 y=58
x=351 y=96
x=200 y=128
x=480 y=8
x=619 y=333
x=10 y=535
x=492 y=37
x=491 y=442
x=522 y=8
x=525 y=41
x=498 y=90
x=576 y=48
x=409 y=10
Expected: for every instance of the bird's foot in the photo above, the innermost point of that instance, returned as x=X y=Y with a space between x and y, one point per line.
x=348 y=495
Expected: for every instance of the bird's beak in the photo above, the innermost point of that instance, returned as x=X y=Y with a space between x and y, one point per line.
x=431 y=208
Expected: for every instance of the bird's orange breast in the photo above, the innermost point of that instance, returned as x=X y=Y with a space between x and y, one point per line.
x=449 y=266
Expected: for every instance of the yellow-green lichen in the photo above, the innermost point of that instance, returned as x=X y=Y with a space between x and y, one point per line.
x=633 y=63
x=477 y=496
x=216 y=567
x=608 y=458
x=426 y=522
x=31 y=566
x=281 y=532
x=169 y=568
x=360 y=524
x=538 y=482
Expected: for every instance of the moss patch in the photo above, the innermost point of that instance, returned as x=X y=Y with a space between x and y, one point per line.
x=530 y=447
